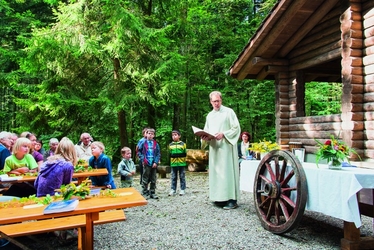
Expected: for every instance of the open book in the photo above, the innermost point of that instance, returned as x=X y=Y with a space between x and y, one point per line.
x=61 y=206
x=200 y=132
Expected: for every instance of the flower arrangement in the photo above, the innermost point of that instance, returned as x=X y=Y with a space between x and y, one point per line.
x=264 y=146
x=334 y=151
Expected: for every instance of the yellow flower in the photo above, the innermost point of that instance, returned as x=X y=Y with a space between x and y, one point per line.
x=264 y=146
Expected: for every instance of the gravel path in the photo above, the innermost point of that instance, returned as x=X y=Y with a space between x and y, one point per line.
x=193 y=222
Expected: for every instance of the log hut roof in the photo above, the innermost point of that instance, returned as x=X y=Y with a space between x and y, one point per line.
x=289 y=24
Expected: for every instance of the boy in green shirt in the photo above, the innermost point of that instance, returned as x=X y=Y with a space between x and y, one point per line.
x=178 y=154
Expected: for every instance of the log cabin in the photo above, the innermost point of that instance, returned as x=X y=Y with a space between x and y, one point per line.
x=323 y=41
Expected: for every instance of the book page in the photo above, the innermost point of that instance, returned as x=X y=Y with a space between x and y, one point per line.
x=199 y=132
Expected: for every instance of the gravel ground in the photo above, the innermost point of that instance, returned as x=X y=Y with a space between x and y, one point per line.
x=193 y=222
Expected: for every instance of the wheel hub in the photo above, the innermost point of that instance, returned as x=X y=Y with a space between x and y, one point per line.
x=272 y=189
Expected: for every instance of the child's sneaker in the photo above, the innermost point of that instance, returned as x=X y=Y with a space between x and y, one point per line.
x=182 y=192
x=172 y=192
x=153 y=196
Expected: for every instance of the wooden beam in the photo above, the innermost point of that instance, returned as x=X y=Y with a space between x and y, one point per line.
x=328 y=56
x=259 y=61
x=270 y=70
x=262 y=74
x=281 y=26
x=304 y=29
x=316 y=52
x=314 y=43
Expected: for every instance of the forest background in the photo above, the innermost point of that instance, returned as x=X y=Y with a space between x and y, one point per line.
x=111 y=68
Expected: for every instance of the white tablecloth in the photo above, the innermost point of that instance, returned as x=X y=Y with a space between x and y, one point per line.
x=331 y=192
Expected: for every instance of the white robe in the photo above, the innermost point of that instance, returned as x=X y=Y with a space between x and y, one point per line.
x=223 y=155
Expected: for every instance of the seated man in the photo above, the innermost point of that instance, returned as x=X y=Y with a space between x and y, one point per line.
x=83 y=147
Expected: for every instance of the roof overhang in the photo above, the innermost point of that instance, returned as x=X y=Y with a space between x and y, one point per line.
x=287 y=24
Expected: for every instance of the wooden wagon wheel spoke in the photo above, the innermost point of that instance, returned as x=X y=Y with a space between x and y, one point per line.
x=288 y=178
x=272 y=175
x=264 y=178
x=264 y=202
x=289 y=201
x=283 y=171
x=284 y=209
x=287 y=189
x=280 y=191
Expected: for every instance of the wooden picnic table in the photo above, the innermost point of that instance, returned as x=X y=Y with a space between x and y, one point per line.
x=126 y=197
x=81 y=176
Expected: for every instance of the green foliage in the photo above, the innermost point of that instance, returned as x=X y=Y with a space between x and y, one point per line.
x=322 y=98
x=111 y=68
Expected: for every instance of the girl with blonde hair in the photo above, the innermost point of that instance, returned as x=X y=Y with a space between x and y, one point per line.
x=57 y=170
x=21 y=161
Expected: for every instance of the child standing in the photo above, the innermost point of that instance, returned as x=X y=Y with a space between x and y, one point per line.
x=140 y=142
x=149 y=155
x=100 y=160
x=126 y=168
x=178 y=154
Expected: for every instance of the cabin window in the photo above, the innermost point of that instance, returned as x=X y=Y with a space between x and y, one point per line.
x=323 y=98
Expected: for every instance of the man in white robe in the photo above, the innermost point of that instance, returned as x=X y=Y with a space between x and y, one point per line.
x=223 y=153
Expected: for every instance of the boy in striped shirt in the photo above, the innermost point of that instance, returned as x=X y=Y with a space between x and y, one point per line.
x=178 y=163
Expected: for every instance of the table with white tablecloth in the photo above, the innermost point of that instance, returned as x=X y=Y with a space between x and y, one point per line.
x=331 y=192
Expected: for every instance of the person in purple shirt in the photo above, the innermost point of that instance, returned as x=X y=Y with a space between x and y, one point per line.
x=37 y=156
x=57 y=170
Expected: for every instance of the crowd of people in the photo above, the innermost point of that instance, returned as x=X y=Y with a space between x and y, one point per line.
x=19 y=155
x=25 y=154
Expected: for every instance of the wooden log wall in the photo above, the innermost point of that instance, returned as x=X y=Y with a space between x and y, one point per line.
x=307 y=129
x=323 y=41
x=282 y=111
x=352 y=76
x=368 y=62
x=337 y=36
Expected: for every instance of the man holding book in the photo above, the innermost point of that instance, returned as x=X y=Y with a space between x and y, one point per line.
x=223 y=153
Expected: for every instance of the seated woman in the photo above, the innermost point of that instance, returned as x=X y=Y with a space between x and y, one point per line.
x=39 y=147
x=37 y=156
x=20 y=162
x=243 y=152
x=57 y=170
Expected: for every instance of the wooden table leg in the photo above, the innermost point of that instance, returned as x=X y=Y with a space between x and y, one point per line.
x=81 y=238
x=80 y=180
x=89 y=234
x=352 y=239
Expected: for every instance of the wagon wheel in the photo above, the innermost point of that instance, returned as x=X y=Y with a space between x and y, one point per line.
x=280 y=191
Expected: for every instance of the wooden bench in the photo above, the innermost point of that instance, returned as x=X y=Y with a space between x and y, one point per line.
x=57 y=224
